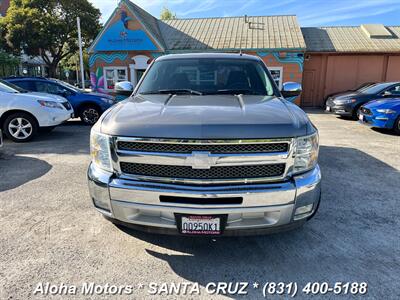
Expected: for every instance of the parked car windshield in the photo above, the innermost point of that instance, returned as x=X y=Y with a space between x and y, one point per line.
x=67 y=85
x=376 y=88
x=208 y=76
x=10 y=88
x=365 y=86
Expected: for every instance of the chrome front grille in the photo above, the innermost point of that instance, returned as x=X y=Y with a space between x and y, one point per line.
x=212 y=148
x=203 y=161
x=187 y=172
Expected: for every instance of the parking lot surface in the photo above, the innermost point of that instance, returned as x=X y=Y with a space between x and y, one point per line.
x=51 y=233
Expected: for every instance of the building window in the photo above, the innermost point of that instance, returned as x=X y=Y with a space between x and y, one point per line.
x=277 y=75
x=113 y=75
x=199 y=77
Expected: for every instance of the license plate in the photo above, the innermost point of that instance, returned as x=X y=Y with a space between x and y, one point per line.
x=200 y=225
x=361 y=117
x=328 y=108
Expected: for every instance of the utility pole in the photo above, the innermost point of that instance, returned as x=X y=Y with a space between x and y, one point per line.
x=77 y=70
x=80 y=52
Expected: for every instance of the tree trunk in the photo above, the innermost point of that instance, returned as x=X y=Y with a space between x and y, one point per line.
x=52 y=70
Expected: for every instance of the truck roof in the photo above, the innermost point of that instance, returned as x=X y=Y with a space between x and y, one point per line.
x=209 y=55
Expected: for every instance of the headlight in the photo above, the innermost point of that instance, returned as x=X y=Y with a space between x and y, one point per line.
x=108 y=100
x=386 y=111
x=100 y=150
x=306 y=153
x=344 y=101
x=50 y=104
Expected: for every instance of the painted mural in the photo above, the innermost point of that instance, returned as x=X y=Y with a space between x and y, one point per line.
x=290 y=58
x=97 y=81
x=108 y=58
x=124 y=34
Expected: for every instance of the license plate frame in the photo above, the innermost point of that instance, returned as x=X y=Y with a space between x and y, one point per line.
x=182 y=219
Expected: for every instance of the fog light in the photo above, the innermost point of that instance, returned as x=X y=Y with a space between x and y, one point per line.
x=303 y=210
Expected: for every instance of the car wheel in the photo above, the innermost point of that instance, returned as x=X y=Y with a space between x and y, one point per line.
x=89 y=115
x=20 y=127
x=356 y=112
x=397 y=126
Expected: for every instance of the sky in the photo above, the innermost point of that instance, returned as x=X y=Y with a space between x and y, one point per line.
x=309 y=12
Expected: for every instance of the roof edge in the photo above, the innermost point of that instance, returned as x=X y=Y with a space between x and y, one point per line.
x=161 y=44
x=231 y=17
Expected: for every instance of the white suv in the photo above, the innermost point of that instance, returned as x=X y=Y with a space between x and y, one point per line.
x=22 y=114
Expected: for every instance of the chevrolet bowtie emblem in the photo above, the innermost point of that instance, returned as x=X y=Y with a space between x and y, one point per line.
x=201 y=160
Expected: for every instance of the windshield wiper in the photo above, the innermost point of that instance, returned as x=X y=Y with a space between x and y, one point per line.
x=174 y=91
x=236 y=92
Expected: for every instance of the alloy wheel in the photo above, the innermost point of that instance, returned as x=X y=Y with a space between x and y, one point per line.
x=90 y=115
x=20 y=128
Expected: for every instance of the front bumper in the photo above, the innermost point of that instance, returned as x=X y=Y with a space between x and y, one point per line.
x=55 y=117
x=378 y=120
x=269 y=207
x=339 y=109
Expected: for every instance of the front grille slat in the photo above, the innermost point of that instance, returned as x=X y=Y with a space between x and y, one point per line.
x=187 y=172
x=212 y=148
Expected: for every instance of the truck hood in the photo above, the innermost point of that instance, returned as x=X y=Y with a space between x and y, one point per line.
x=206 y=117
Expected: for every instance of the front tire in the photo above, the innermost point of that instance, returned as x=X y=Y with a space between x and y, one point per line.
x=20 y=127
x=396 y=127
x=356 y=112
x=90 y=114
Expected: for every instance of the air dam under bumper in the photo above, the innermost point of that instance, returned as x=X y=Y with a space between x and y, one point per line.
x=270 y=207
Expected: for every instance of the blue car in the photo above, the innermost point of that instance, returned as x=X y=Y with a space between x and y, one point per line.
x=87 y=105
x=383 y=113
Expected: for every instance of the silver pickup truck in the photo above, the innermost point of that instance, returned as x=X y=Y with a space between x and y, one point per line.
x=206 y=145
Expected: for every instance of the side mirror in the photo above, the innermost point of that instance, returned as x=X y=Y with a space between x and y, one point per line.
x=62 y=93
x=124 y=88
x=291 y=89
x=387 y=94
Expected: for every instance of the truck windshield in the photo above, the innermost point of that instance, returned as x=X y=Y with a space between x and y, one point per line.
x=207 y=76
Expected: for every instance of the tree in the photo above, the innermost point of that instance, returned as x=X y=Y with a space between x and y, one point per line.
x=47 y=28
x=166 y=14
x=71 y=62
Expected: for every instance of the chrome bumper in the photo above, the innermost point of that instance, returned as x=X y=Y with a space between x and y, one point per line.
x=271 y=205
